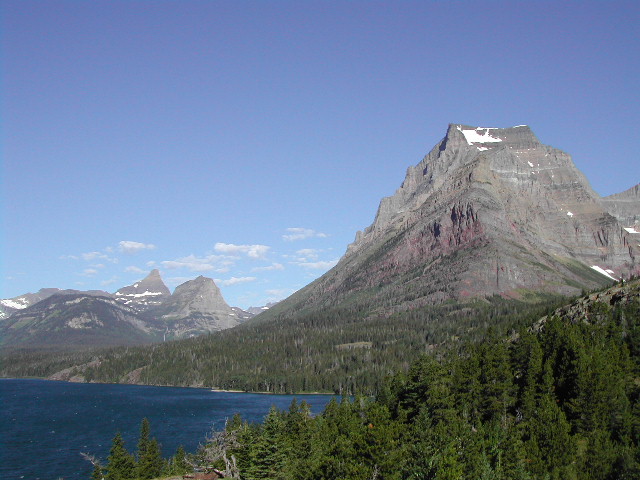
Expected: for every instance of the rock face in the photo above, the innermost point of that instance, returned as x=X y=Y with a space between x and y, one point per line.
x=487 y=211
x=625 y=207
x=194 y=308
x=148 y=292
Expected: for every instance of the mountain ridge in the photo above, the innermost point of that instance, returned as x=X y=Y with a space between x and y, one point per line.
x=143 y=312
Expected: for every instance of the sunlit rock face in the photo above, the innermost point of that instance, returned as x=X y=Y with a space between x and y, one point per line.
x=194 y=308
x=487 y=211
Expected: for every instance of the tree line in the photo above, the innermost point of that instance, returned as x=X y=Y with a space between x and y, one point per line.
x=146 y=463
x=559 y=403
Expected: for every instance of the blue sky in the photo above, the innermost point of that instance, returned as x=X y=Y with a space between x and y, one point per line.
x=248 y=141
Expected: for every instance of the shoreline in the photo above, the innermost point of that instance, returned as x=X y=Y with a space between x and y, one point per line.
x=210 y=389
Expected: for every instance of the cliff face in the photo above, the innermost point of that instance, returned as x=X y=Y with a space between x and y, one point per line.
x=625 y=206
x=487 y=211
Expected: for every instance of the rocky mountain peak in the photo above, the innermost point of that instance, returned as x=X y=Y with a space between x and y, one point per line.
x=487 y=211
x=148 y=292
x=197 y=306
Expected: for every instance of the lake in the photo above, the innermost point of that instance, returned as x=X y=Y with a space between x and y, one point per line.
x=44 y=425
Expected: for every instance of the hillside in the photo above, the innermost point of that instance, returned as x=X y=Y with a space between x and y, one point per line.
x=561 y=401
x=338 y=350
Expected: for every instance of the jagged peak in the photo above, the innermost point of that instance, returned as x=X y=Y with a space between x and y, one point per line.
x=152 y=283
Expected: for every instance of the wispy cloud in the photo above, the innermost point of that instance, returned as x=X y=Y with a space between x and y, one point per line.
x=89 y=272
x=128 y=246
x=91 y=256
x=218 y=263
x=133 y=269
x=268 y=268
x=252 y=251
x=110 y=281
x=275 y=295
x=320 y=265
x=307 y=254
x=235 y=281
x=299 y=233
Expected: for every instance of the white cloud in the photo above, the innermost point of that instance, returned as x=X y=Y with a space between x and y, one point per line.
x=89 y=272
x=321 y=265
x=268 y=268
x=235 y=280
x=133 y=269
x=252 y=251
x=111 y=281
x=299 y=233
x=90 y=256
x=218 y=263
x=275 y=295
x=307 y=254
x=127 y=246
x=93 y=255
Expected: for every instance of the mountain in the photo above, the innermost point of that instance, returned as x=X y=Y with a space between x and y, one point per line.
x=10 y=305
x=625 y=207
x=194 y=308
x=148 y=292
x=257 y=310
x=140 y=313
x=489 y=211
x=79 y=320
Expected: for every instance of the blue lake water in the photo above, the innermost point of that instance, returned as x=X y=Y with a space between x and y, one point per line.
x=45 y=425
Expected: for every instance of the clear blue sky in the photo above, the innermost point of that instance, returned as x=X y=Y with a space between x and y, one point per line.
x=248 y=141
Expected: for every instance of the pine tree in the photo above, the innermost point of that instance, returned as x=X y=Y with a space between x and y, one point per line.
x=150 y=461
x=178 y=465
x=97 y=473
x=120 y=464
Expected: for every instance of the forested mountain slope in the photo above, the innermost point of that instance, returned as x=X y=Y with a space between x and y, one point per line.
x=558 y=401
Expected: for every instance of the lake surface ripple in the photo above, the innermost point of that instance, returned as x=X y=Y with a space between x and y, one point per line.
x=44 y=425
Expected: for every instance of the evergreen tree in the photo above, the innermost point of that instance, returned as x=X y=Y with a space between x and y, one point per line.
x=150 y=462
x=178 y=464
x=97 y=473
x=120 y=463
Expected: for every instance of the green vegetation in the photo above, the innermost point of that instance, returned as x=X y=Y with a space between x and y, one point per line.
x=147 y=463
x=302 y=354
x=559 y=403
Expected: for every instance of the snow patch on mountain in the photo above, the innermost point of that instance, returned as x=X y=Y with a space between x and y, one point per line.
x=475 y=136
x=17 y=303
x=606 y=273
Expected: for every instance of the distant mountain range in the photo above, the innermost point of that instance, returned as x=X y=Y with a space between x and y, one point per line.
x=489 y=211
x=140 y=313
